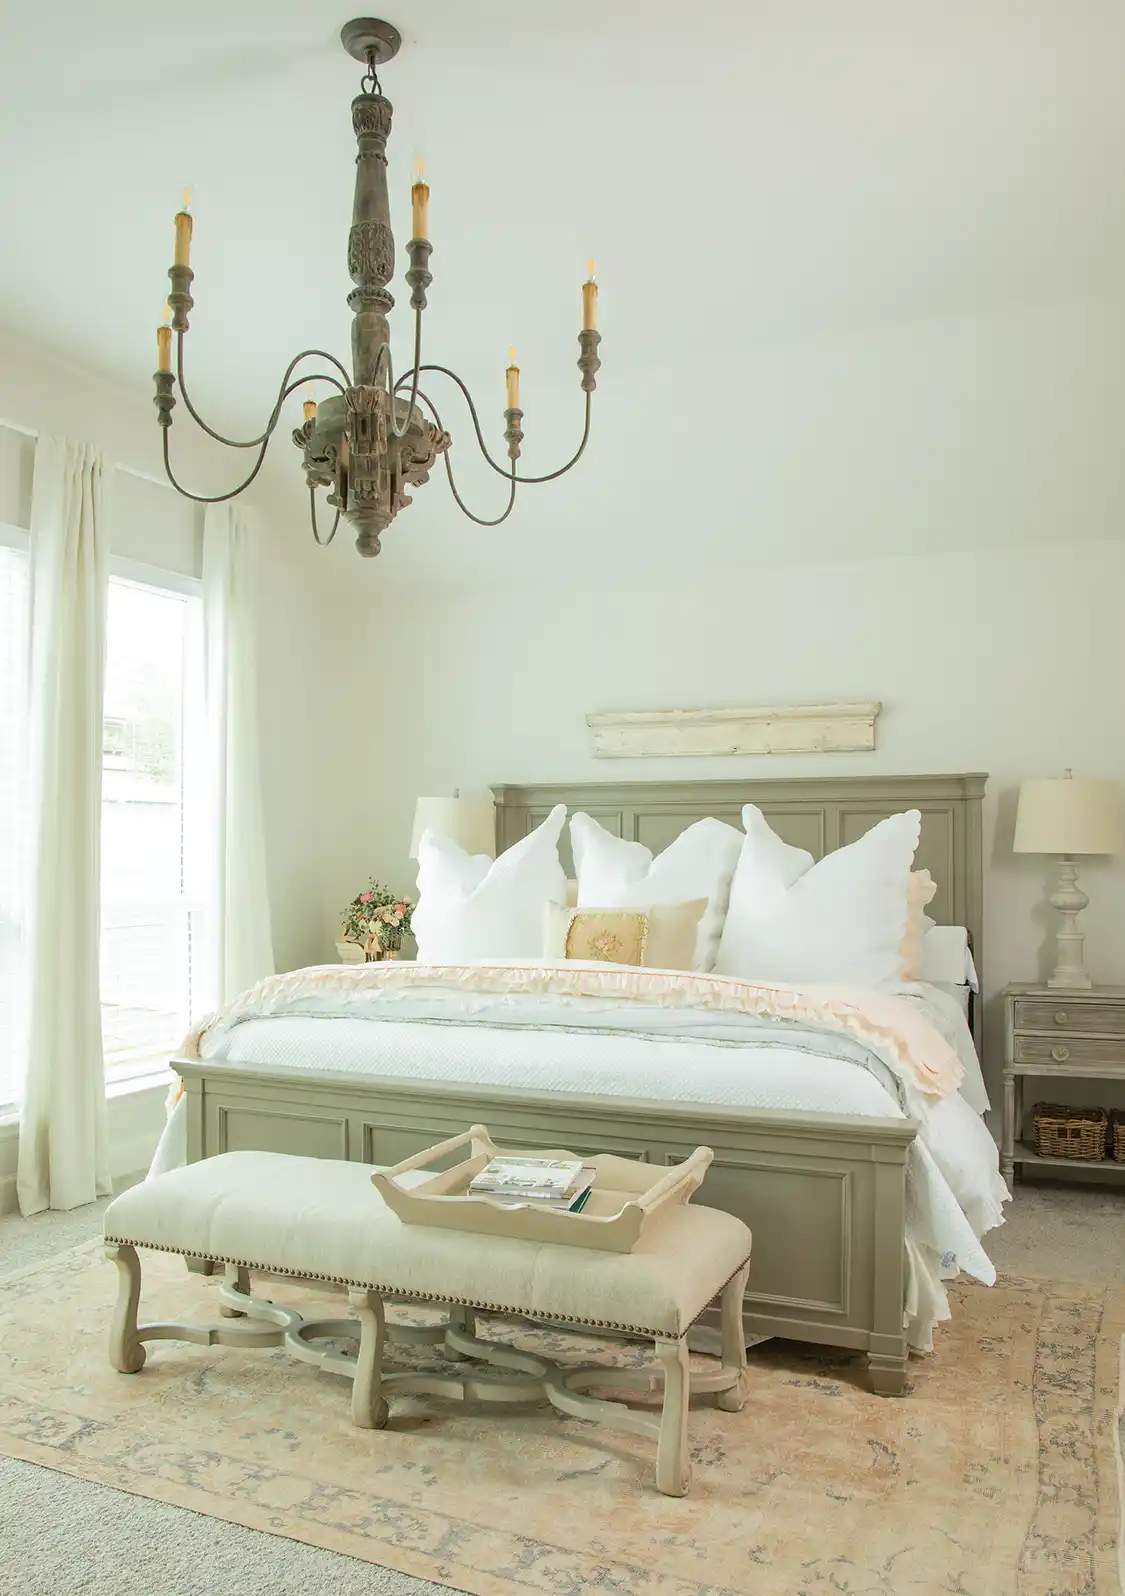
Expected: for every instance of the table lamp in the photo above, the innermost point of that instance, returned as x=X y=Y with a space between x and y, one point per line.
x=471 y=822
x=1062 y=816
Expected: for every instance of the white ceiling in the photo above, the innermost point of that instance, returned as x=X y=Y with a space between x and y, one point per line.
x=747 y=172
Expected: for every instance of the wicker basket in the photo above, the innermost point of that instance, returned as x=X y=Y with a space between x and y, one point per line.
x=1063 y=1132
x=1116 y=1147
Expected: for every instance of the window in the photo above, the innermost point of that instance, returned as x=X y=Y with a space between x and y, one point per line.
x=152 y=952
x=13 y=767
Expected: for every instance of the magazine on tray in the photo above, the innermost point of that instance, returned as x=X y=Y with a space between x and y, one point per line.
x=551 y=1182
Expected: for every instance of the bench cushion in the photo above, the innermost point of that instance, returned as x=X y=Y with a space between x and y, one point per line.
x=323 y=1218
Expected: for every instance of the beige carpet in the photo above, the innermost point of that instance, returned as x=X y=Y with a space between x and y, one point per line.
x=998 y=1476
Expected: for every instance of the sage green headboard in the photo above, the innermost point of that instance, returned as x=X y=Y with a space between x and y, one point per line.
x=813 y=812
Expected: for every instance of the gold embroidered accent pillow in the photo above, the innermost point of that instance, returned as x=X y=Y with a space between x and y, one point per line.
x=661 y=937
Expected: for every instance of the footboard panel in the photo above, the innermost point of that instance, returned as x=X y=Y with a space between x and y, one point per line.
x=823 y=1194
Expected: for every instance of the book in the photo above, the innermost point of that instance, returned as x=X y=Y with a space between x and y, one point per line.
x=546 y=1176
x=571 y=1201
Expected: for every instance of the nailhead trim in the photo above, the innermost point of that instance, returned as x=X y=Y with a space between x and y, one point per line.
x=419 y=1296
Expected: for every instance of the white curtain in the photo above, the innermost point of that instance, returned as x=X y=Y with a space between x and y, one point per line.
x=238 y=911
x=236 y=892
x=63 y=1144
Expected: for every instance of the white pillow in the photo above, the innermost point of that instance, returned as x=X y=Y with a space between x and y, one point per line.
x=472 y=908
x=616 y=874
x=839 y=921
x=946 y=959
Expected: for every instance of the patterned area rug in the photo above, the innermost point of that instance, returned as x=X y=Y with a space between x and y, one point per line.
x=999 y=1475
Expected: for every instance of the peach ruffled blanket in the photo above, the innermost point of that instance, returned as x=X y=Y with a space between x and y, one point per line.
x=889 y=1025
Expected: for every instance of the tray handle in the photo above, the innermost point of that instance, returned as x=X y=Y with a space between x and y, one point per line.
x=477 y=1134
x=688 y=1175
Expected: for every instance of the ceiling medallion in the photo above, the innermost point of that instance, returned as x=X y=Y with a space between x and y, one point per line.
x=376 y=435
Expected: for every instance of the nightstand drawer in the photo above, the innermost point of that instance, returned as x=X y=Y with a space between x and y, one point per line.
x=1105 y=1019
x=1073 y=1050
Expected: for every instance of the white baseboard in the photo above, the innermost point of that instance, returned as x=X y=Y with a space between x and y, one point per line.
x=136 y=1119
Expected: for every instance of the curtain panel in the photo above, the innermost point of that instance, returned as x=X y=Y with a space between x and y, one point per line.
x=238 y=909
x=236 y=895
x=63 y=1143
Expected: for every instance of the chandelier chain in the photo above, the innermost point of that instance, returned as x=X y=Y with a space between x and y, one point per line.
x=369 y=82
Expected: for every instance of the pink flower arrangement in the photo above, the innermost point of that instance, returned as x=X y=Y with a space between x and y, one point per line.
x=377 y=920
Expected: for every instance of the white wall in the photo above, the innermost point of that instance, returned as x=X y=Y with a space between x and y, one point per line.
x=964 y=433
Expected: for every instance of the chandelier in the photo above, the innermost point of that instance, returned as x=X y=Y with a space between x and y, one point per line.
x=375 y=435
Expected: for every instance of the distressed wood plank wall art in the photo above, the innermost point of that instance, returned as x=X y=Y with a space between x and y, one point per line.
x=769 y=729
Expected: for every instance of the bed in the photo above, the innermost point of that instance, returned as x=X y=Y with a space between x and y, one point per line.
x=835 y=1199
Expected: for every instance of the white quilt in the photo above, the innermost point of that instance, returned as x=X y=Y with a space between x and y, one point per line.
x=610 y=1048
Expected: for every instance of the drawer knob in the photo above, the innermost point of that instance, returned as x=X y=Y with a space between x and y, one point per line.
x=1060 y=1054
x=1060 y=1016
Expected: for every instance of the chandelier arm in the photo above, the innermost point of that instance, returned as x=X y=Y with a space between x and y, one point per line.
x=461 y=505
x=324 y=542
x=218 y=498
x=252 y=443
x=575 y=457
x=464 y=508
x=503 y=471
x=405 y=428
x=317 y=376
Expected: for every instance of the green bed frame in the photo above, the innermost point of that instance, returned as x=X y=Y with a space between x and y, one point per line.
x=823 y=1194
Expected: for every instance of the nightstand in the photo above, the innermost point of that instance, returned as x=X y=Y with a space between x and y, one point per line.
x=1080 y=1035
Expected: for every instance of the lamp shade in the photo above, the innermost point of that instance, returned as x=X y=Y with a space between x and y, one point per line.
x=471 y=822
x=1064 y=816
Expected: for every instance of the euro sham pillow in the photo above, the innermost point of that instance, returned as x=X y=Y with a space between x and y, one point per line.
x=839 y=921
x=661 y=937
x=471 y=907
x=616 y=874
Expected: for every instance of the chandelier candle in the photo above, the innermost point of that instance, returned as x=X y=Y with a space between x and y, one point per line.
x=164 y=342
x=182 y=256
x=375 y=435
x=589 y=301
x=420 y=202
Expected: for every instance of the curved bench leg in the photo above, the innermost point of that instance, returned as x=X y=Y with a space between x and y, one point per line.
x=126 y=1350
x=461 y=1319
x=238 y=1276
x=369 y=1409
x=673 y=1469
x=733 y=1399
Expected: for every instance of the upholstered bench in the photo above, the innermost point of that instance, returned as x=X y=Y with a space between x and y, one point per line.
x=322 y=1219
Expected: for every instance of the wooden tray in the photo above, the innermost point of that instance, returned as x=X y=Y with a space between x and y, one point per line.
x=625 y=1195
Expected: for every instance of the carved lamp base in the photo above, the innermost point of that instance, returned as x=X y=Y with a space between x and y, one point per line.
x=1069 y=899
